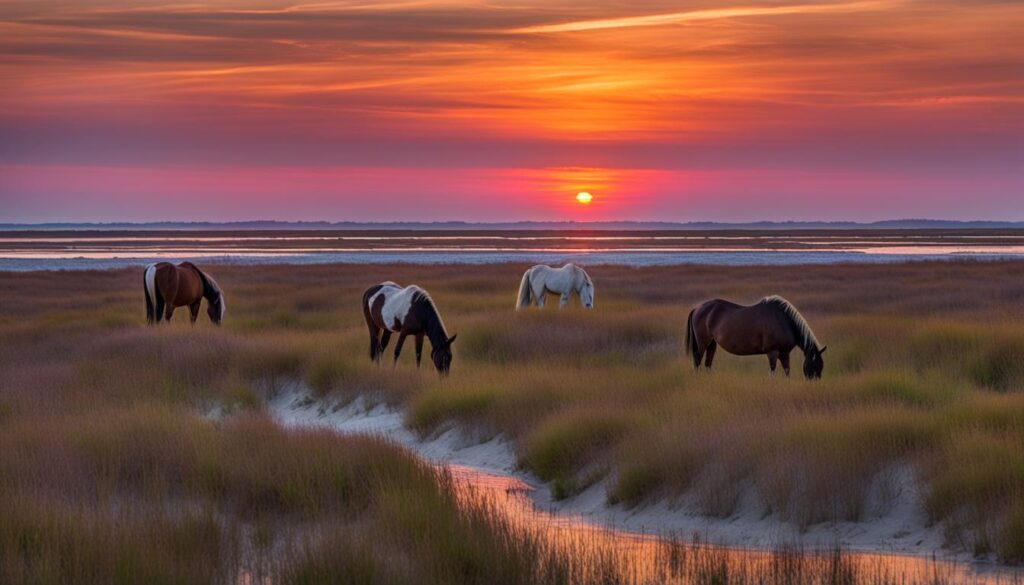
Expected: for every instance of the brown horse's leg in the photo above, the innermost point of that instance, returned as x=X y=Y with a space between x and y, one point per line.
x=398 y=346
x=419 y=348
x=773 y=357
x=158 y=310
x=168 y=312
x=709 y=354
x=784 y=360
x=194 y=311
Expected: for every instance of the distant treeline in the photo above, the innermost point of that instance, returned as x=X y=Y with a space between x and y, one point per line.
x=519 y=225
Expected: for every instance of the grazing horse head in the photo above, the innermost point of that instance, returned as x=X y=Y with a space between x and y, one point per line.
x=587 y=292
x=216 y=306
x=441 y=355
x=813 y=364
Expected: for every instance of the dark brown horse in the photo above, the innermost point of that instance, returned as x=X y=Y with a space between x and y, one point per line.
x=168 y=286
x=389 y=308
x=772 y=327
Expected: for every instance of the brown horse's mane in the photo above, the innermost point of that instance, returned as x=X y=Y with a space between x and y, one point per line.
x=807 y=338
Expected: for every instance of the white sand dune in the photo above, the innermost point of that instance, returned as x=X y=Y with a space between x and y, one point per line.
x=898 y=527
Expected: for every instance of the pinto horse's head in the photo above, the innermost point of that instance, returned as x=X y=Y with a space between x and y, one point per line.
x=442 y=355
x=813 y=364
x=216 y=307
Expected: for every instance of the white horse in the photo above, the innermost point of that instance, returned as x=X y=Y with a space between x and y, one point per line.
x=541 y=279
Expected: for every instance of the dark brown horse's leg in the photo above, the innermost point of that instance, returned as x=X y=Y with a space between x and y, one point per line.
x=398 y=345
x=168 y=312
x=194 y=311
x=419 y=348
x=773 y=357
x=709 y=354
x=784 y=360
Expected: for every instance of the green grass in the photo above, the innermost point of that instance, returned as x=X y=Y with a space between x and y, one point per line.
x=924 y=369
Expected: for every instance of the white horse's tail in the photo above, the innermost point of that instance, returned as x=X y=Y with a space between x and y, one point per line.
x=525 y=292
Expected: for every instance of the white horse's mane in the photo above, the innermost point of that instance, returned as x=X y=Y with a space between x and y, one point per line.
x=808 y=339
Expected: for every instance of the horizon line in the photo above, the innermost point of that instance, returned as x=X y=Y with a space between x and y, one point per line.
x=900 y=223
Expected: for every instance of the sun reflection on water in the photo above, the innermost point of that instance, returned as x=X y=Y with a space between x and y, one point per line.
x=602 y=554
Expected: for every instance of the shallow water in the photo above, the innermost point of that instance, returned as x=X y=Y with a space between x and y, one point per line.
x=627 y=557
x=91 y=250
x=97 y=260
x=40 y=251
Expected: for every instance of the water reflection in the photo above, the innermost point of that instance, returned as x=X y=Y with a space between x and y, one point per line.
x=600 y=555
x=110 y=252
x=102 y=251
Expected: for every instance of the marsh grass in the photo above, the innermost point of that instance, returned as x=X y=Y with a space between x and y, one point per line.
x=98 y=411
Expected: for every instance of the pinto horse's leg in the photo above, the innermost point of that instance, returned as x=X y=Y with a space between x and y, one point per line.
x=385 y=338
x=784 y=360
x=773 y=357
x=419 y=348
x=374 y=342
x=709 y=354
x=398 y=346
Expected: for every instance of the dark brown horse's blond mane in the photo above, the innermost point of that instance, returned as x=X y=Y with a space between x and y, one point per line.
x=209 y=283
x=211 y=290
x=807 y=338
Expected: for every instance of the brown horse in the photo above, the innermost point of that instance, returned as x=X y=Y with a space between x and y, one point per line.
x=389 y=308
x=772 y=327
x=168 y=286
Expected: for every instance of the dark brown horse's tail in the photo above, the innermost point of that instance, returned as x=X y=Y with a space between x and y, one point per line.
x=691 y=340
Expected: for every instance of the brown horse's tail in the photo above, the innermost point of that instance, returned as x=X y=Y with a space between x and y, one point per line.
x=154 y=304
x=691 y=340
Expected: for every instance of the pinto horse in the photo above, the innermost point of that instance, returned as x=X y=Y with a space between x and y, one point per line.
x=541 y=279
x=389 y=308
x=772 y=327
x=169 y=286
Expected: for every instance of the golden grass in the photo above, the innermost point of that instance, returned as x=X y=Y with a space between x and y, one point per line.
x=924 y=369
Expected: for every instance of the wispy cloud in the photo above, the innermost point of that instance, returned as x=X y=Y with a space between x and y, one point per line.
x=706 y=14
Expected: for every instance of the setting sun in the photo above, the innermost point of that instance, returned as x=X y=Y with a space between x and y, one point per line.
x=584 y=197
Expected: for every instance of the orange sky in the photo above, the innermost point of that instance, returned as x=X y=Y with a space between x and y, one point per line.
x=142 y=110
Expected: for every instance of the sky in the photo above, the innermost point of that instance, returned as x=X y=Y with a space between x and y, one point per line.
x=423 y=110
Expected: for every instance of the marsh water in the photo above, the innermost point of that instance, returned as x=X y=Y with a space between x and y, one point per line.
x=483 y=474
x=100 y=250
x=606 y=555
